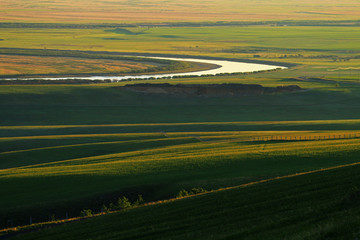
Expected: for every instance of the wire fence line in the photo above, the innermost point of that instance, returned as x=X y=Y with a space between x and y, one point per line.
x=305 y=138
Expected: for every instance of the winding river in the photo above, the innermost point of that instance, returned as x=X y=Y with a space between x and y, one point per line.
x=224 y=66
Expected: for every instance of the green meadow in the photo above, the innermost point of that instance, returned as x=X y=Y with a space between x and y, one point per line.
x=63 y=174
x=327 y=52
x=69 y=147
x=106 y=104
x=65 y=148
x=319 y=205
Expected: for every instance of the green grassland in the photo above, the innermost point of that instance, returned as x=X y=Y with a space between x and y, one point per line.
x=320 y=51
x=41 y=178
x=65 y=148
x=319 y=205
x=104 y=104
x=68 y=147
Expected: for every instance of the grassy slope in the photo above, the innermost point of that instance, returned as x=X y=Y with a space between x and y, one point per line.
x=102 y=167
x=155 y=166
x=82 y=105
x=106 y=166
x=322 y=205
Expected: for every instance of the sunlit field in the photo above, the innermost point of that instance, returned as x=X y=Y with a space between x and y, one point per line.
x=321 y=52
x=165 y=11
x=156 y=165
x=15 y=65
x=95 y=160
x=317 y=205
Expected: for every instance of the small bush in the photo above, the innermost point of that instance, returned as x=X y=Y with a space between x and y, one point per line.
x=197 y=191
x=104 y=209
x=123 y=203
x=193 y=191
x=112 y=207
x=139 y=201
x=86 y=213
x=183 y=193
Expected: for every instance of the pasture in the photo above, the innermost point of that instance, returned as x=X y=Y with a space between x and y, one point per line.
x=112 y=142
x=329 y=53
x=317 y=205
x=104 y=104
x=40 y=169
x=19 y=65
x=278 y=157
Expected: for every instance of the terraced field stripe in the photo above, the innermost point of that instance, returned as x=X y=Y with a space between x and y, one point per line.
x=307 y=122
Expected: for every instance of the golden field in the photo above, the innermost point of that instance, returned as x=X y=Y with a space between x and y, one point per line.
x=169 y=11
x=13 y=65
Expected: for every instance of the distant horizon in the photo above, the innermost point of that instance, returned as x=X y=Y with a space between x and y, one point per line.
x=114 y=11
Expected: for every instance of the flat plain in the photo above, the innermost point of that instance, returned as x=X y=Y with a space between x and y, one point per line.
x=175 y=11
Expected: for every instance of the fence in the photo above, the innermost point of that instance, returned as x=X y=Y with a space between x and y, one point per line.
x=305 y=137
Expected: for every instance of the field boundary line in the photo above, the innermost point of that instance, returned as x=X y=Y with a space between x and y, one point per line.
x=90 y=143
x=184 y=124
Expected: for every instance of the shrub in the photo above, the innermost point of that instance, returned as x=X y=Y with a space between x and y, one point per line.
x=139 y=201
x=182 y=193
x=123 y=203
x=197 y=190
x=86 y=213
x=104 y=209
x=112 y=206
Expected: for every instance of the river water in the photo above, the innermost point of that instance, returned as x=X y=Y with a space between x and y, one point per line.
x=225 y=66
